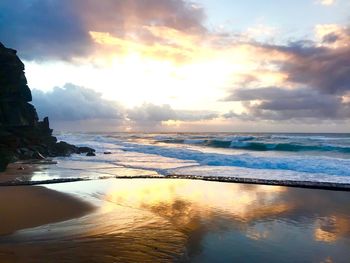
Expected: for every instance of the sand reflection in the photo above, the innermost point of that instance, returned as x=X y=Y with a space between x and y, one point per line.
x=196 y=208
x=330 y=229
x=167 y=220
x=180 y=200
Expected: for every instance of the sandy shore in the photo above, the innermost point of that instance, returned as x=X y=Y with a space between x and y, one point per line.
x=175 y=220
x=23 y=170
x=30 y=206
x=165 y=219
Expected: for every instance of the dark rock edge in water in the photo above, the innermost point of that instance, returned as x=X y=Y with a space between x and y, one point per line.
x=22 y=135
x=239 y=180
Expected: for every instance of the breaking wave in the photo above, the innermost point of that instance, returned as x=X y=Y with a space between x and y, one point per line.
x=253 y=144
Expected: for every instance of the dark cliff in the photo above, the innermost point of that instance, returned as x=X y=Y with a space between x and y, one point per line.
x=22 y=135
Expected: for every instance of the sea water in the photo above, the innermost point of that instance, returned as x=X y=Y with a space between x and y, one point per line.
x=301 y=157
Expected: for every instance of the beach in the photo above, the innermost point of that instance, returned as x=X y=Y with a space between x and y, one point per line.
x=27 y=207
x=172 y=220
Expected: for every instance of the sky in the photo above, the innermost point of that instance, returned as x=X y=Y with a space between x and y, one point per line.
x=177 y=65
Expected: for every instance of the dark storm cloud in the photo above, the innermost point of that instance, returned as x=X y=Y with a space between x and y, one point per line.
x=59 y=29
x=72 y=103
x=273 y=103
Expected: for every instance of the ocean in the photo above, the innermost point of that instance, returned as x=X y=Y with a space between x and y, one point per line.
x=270 y=156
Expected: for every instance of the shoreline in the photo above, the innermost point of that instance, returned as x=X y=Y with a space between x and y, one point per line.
x=30 y=199
x=287 y=183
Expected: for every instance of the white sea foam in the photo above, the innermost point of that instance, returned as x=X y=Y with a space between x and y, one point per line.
x=194 y=159
x=307 y=164
x=265 y=174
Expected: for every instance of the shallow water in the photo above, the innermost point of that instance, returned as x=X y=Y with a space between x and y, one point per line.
x=166 y=220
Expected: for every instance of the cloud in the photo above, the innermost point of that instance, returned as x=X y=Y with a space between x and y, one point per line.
x=305 y=79
x=333 y=35
x=59 y=29
x=274 y=103
x=82 y=108
x=321 y=68
x=74 y=103
x=43 y=29
x=161 y=113
x=322 y=65
x=316 y=82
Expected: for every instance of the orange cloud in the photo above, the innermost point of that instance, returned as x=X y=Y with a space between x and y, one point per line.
x=166 y=51
x=332 y=36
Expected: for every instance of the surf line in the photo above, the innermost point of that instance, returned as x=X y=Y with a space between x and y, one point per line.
x=287 y=183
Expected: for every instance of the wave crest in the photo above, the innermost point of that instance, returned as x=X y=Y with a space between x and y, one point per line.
x=249 y=143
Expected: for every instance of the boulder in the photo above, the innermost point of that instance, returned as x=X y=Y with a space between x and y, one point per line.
x=85 y=149
x=64 y=149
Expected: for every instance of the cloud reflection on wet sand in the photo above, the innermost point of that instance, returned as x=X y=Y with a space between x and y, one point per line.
x=180 y=220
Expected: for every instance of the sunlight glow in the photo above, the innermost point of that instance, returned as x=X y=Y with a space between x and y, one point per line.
x=186 y=71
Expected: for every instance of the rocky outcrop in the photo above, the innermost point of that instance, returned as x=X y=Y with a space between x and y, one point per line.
x=22 y=135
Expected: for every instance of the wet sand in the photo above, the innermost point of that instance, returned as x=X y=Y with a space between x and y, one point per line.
x=30 y=206
x=44 y=172
x=17 y=172
x=23 y=171
x=174 y=220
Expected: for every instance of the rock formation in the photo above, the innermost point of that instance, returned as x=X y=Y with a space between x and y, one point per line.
x=22 y=135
